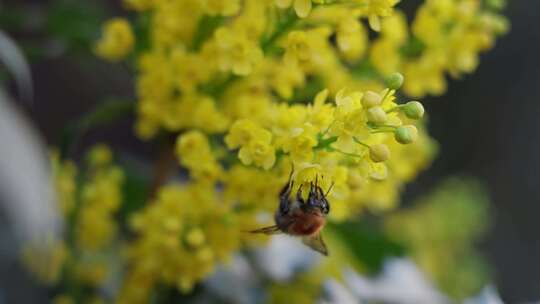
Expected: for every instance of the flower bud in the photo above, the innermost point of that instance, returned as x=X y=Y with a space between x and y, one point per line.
x=371 y=99
x=379 y=153
x=376 y=115
x=406 y=134
x=395 y=81
x=413 y=110
x=195 y=237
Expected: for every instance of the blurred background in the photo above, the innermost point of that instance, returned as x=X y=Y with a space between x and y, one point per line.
x=486 y=124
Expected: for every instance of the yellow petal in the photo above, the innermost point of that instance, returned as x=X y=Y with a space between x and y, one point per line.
x=375 y=22
x=320 y=98
x=245 y=156
x=302 y=7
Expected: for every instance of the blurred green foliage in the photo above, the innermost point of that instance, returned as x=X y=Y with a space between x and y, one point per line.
x=440 y=233
x=54 y=27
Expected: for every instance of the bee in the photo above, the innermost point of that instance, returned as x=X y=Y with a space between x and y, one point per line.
x=298 y=217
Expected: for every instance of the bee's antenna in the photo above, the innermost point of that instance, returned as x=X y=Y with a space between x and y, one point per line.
x=291 y=174
x=316 y=180
x=330 y=188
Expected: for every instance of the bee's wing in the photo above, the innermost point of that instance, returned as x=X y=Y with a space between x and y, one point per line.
x=316 y=243
x=267 y=230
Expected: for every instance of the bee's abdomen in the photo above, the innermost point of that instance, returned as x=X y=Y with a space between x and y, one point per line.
x=306 y=224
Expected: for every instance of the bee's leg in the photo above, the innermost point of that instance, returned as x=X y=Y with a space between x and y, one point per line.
x=267 y=230
x=284 y=200
x=285 y=194
x=286 y=191
x=313 y=190
x=299 y=195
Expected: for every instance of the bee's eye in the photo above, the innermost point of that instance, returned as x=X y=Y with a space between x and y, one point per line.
x=325 y=207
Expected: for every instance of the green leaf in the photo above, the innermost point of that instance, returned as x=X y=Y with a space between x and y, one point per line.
x=368 y=242
x=104 y=113
x=135 y=190
x=205 y=30
x=75 y=23
x=413 y=48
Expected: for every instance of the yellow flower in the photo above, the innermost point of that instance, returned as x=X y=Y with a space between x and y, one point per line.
x=375 y=9
x=64 y=174
x=298 y=48
x=320 y=114
x=237 y=52
x=351 y=38
x=194 y=152
x=259 y=152
x=117 y=40
x=208 y=118
x=100 y=155
x=242 y=132
x=45 y=258
x=195 y=237
x=300 y=146
x=189 y=69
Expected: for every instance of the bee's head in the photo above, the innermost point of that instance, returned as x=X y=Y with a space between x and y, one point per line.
x=317 y=199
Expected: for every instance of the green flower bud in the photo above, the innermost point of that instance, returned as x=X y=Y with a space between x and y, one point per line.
x=376 y=115
x=379 y=153
x=395 y=81
x=371 y=99
x=413 y=110
x=406 y=134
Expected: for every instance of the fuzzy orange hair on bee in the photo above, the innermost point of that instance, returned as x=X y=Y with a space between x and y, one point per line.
x=303 y=218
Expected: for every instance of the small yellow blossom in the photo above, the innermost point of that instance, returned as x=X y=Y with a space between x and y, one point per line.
x=64 y=174
x=258 y=152
x=45 y=259
x=242 y=132
x=194 y=152
x=117 y=40
x=195 y=237
x=237 y=52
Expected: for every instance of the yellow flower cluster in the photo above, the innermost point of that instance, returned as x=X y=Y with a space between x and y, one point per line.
x=347 y=142
x=181 y=236
x=440 y=231
x=90 y=201
x=101 y=196
x=206 y=59
x=445 y=36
